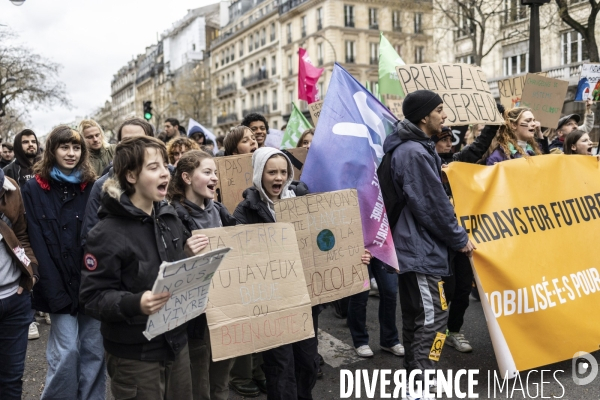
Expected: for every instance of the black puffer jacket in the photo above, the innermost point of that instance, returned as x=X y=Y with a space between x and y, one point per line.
x=122 y=258
x=252 y=210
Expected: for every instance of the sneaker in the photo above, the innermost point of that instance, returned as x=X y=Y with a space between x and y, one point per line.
x=33 y=331
x=364 y=351
x=397 y=350
x=47 y=318
x=374 y=289
x=458 y=341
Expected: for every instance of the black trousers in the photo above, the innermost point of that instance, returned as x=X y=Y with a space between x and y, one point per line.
x=457 y=288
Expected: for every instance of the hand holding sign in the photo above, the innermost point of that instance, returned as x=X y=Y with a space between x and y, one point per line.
x=151 y=303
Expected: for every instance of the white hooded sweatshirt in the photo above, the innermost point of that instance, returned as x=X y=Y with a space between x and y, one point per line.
x=259 y=159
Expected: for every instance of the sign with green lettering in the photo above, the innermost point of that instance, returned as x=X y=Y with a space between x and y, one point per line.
x=545 y=96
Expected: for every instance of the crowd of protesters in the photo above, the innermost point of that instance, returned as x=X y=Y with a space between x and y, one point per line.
x=85 y=226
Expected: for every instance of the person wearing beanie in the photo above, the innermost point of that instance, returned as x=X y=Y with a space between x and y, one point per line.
x=427 y=229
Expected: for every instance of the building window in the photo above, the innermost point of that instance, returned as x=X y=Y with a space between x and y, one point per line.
x=320 y=54
x=258 y=103
x=273 y=66
x=303 y=25
x=418 y=23
x=263 y=37
x=373 y=24
x=250 y=43
x=256 y=41
x=290 y=65
x=350 y=51
x=466 y=26
x=321 y=90
x=232 y=52
x=272 y=31
x=514 y=65
x=464 y=59
x=241 y=48
x=398 y=49
x=573 y=47
x=349 y=16
x=222 y=58
x=419 y=54
x=374 y=53
x=396 y=25
x=289 y=32
x=274 y=102
x=514 y=11
x=319 y=18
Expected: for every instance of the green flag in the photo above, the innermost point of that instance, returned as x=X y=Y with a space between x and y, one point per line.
x=388 y=60
x=368 y=87
x=295 y=126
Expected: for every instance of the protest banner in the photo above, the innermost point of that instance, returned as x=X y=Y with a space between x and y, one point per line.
x=188 y=281
x=330 y=239
x=258 y=298
x=589 y=83
x=545 y=96
x=235 y=175
x=315 y=111
x=463 y=88
x=511 y=90
x=538 y=279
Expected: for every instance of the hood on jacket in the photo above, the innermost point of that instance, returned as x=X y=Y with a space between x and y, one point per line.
x=259 y=160
x=405 y=130
x=20 y=156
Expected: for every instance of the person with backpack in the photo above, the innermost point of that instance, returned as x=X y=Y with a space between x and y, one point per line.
x=425 y=228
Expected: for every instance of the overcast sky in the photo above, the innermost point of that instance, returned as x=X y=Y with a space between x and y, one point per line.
x=91 y=39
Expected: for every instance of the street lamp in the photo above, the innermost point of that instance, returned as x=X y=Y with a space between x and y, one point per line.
x=535 y=54
x=17 y=2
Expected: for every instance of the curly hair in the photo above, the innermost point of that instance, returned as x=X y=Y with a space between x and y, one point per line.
x=178 y=144
x=253 y=117
x=60 y=135
x=506 y=135
x=187 y=163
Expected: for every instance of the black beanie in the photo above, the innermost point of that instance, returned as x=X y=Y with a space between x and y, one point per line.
x=417 y=105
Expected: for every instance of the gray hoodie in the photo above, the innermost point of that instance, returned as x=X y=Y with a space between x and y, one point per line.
x=259 y=159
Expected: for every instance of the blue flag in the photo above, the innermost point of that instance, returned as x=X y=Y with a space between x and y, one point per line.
x=346 y=149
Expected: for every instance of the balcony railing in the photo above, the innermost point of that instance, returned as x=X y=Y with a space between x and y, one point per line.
x=319 y=25
x=253 y=79
x=303 y=31
x=374 y=26
x=349 y=23
x=373 y=61
x=289 y=38
x=227 y=89
x=227 y=119
x=264 y=109
x=287 y=5
x=397 y=28
x=349 y=59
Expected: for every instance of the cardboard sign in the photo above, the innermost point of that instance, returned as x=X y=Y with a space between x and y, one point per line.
x=315 y=111
x=188 y=281
x=235 y=175
x=330 y=239
x=463 y=88
x=395 y=107
x=589 y=83
x=511 y=90
x=258 y=299
x=545 y=96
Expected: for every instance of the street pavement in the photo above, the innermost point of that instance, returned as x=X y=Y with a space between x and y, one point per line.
x=335 y=345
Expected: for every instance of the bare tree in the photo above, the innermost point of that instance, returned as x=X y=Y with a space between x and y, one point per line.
x=26 y=78
x=192 y=95
x=13 y=123
x=587 y=32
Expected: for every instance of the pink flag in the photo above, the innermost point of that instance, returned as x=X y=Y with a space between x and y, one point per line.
x=308 y=76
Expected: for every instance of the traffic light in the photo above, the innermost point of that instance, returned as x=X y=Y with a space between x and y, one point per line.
x=147 y=110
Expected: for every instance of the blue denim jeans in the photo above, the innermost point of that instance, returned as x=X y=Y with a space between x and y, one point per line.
x=15 y=317
x=75 y=355
x=357 y=309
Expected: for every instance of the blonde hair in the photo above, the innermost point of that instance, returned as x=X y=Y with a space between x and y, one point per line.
x=90 y=123
x=470 y=137
x=506 y=135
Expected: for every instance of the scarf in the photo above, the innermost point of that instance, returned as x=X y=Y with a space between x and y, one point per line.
x=57 y=175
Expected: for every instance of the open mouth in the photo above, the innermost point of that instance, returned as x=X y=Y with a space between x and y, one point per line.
x=211 y=187
x=589 y=150
x=276 y=188
x=162 y=188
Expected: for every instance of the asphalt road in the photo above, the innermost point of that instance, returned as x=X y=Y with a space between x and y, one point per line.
x=335 y=345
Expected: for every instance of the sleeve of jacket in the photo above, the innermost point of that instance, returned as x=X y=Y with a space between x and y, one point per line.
x=544 y=145
x=100 y=290
x=240 y=214
x=226 y=218
x=496 y=157
x=428 y=202
x=9 y=171
x=588 y=123
x=20 y=229
x=473 y=152
x=90 y=218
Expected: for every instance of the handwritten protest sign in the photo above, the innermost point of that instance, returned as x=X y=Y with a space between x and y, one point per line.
x=463 y=88
x=589 y=83
x=315 y=111
x=235 y=175
x=511 y=90
x=258 y=299
x=545 y=96
x=394 y=103
x=188 y=281
x=330 y=239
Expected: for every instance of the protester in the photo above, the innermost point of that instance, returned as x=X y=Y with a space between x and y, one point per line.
x=27 y=153
x=220 y=144
x=306 y=138
x=260 y=127
x=516 y=137
x=578 y=142
x=132 y=127
x=191 y=193
x=427 y=217
x=473 y=132
x=171 y=130
x=209 y=147
x=239 y=140
x=101 y=153
x=197 y=135
x=569 y=123
x=137 y=232
x=7 y=154
x=179 y=146
x=18 y=275
x=55 y=203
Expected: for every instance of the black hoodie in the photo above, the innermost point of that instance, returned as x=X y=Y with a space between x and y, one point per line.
x=122 y=257
x=21 y=169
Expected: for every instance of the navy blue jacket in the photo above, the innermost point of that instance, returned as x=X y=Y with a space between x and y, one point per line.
x=54 y=212
x=427 y=225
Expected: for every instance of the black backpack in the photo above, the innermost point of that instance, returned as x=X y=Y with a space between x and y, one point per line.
x=393 y=203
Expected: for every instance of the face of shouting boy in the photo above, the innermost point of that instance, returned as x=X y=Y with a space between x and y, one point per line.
x=152 y=182
x=274 y=177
